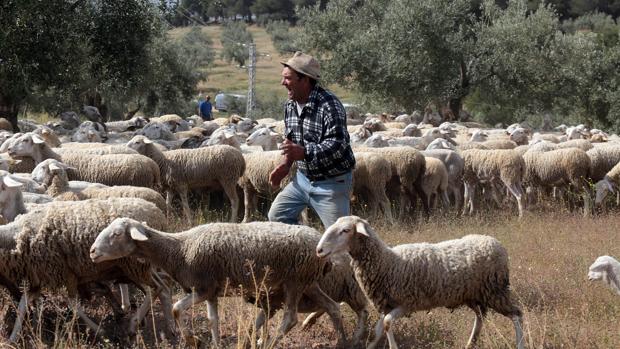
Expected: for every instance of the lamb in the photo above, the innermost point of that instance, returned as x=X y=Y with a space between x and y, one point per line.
x=471 y=271
x=53 y=175
x=454 y=164
x=208 y=259
x=489 y=166
x=607 y=269
x=184 y=169
x=435 y=181
x=371 y=175
x=559 y=167
x=110 y=169
x=56 y=238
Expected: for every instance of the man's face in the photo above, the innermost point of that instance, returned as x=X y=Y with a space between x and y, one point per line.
x=298 y=88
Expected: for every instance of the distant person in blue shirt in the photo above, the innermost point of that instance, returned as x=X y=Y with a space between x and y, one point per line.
x=204 y=109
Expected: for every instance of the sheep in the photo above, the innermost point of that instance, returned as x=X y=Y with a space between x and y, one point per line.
x=11 y=200
x=184 y=169
x=608 y=184
x=471 y=271
x=377 y=140
x=69 y=120
x=582 y=144
x=435 y=181
x=223 y=136
x=208 y=259
x=559 y=167
x=57 y=182
x=491 y=165
x=371 y=175
x=156 y=130
x=454 y=164
x=607 y=269
x=264 y=137
x=255 y=178
x=440 y=143
x=408 y=167
x=136 y=122
x=48 y=135
x=51 y=251
x=110 y=169
x=519 y=136
x=602 y=159
x=89 y=132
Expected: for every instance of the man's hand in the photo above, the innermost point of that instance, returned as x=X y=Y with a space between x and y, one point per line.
x=277 y=175
x=291 y=150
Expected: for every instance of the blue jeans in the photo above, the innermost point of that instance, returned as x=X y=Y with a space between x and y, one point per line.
x=329 y=198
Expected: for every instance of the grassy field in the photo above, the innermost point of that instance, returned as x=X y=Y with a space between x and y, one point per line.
x=227 y=77
x=549 y=258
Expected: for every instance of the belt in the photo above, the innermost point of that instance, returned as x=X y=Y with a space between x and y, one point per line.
x=321 y=177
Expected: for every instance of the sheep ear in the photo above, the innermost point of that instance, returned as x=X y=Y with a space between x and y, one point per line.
x=37 y=139
x=363 y=228
x=10 y=182
x=610 y=185
x=147 y=141
x=137 y=234
x=55 y=167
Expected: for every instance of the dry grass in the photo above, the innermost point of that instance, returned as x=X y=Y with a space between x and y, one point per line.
x=550 y=254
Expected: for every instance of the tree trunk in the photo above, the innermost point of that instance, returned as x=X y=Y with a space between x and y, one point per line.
x=9 y=110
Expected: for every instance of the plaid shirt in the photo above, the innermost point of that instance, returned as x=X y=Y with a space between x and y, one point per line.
x=322 y=130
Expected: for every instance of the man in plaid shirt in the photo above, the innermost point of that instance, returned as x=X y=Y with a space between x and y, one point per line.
x=318 y=141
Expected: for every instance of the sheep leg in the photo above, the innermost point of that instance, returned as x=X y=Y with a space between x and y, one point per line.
x=185 y=203
x=141 y=312
x=311 y=319
x=388 y=320
x=125 y=303
x=289 y=319
x=231 y=191
x=475 y=332
x=518 y=331
x=169 y=197
x=517 y=191
x=178 y=312
x=21 y=313
x=445 y=199
x=214 y=321
x=80 y=312
x=378 y=333
x=248 y=201
x=470 y=193
x=319 y=297
x=360 y=328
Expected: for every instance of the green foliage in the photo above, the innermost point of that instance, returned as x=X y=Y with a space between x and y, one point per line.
x=196 y=47
x=603 y=25
x=109 y=53
x=283 y=39
x=269 y=105
x=235 y=38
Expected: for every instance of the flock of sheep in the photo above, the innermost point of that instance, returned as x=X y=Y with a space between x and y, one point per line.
x=82 y=209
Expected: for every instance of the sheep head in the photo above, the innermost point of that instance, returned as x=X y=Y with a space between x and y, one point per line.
x=606 y=268
x=337 y=237
x=118 y=240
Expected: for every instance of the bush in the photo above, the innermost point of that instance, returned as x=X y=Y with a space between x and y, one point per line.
x=283 y=39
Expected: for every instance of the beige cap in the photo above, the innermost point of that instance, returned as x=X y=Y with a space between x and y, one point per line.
x=304 y=64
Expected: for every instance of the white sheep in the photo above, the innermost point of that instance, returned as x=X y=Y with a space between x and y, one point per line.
x=210 y=258
x=454 y=164
x=609 y=183
x=109 y=169
x=264 y=137
x=435 y=181
x=491 y=166
x=185 y=169
x=51 y=251
x=557 y=168
x=370 y=177
x=606 y=269
x=471 y=271
x=54 y=176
